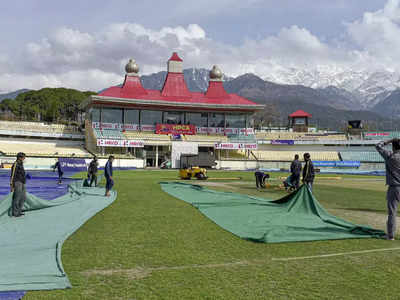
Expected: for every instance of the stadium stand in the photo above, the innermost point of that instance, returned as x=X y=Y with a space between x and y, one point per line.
x=242 y=138
x=337 y=137
x=381 y=135
x=234 y=154
x=206 y=138
x=289 y=155
x=135 y=135
x=299 y=136
x=108 y=134
x=42 y=149
x=37 y=127
x=364 y=156
x=278 y=135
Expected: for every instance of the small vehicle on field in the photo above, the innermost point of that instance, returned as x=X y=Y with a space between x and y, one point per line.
x=189 y=168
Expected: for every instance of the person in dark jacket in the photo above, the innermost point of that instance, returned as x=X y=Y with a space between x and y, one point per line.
x=92 y=171
x=59 y=170
x=260 y=178
x=17 y=185
x=308 y=171
x=295 y=170
x=392 y=164
x=108 y=173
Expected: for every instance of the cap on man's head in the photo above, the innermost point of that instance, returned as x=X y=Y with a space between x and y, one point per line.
x=20 y=155
x=307 y=155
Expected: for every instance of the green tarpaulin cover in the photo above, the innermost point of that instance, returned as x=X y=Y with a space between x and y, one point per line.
x=30 y=246
x=296 y=217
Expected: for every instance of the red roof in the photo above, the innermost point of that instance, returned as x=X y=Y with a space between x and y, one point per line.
x=175 y=90
x=175 y=57
x=193 y=97
x=175 y=86
x=300 y=113
x=132 y=84
x=216 y=90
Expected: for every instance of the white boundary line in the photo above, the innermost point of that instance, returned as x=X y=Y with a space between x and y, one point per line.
x=335 y=254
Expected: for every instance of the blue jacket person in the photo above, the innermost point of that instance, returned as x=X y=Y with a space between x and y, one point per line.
x=108 y=173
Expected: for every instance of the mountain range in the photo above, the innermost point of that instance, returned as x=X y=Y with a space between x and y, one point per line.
x=332 y=100
x=365 y=88
x=330 y=106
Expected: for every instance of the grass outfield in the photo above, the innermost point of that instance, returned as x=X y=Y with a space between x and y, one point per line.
x=149 y=245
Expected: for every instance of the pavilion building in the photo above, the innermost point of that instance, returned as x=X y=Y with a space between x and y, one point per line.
x=123 y=118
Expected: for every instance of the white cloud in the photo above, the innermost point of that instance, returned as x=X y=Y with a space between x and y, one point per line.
x=377 y=34
x=94 y=60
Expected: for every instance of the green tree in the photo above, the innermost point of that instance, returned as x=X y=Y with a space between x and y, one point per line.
x=48 y=104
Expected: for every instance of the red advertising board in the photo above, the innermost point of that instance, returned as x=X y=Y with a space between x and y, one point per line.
x=175 y=129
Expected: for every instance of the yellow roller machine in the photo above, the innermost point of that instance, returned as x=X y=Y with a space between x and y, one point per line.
x=189 y=168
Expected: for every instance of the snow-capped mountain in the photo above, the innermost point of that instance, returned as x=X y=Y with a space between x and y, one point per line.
x=349 y=90
x=366 y=88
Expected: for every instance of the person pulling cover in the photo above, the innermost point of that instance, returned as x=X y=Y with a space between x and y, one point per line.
x=108 y=172
x=92 y=171
x=308 y=171
x=17 y=185
x=260 y=178
x=392 y=165
x=295 y=170
x=59 y=170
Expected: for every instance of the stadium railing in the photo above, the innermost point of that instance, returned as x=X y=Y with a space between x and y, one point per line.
x=299 y=136
x=38 y=129
x=206 y=138
x=146 y=136
x=362 y=156
x=289 y=155
x=42 y=149
x=242 y=138
x=381 y=135
x=108 y=134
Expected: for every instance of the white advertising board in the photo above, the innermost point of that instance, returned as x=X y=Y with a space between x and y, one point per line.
x=120 y=143
x=236 y=146
x=220 y=130
x=119 y=126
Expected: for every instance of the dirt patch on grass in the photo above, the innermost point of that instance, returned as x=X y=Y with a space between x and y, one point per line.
x=212 y=183
x=133 y=274
x=225 y=186
x=139 y=273
x=221 y=265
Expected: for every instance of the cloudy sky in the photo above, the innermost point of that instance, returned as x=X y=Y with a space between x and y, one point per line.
x=85 y=44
